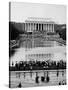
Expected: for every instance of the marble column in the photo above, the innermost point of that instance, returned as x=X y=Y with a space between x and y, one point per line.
x=25 y=26
x=44 y=27
x=34 y=26
x=53 y=27
x=48 y=27
x=30 y=27
x=41 y=26
x=38 y=26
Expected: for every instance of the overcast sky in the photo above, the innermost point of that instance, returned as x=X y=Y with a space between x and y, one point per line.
x=21 y=11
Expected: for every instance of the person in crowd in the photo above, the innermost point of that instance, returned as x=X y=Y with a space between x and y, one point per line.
x=42 y=78
x=19 y=86
x=24 y=75
x=47 y=77
x=37 y=79
x=60 y=83
x=57 y=73
x=62 y=73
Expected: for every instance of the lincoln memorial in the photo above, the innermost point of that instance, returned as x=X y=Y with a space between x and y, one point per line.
x=39 y=27
x=42 y=24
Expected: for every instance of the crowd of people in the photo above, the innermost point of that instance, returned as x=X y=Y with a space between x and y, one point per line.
x=44 y=79
x=37 y=65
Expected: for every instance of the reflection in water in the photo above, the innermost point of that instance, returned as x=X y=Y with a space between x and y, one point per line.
x=20 y=54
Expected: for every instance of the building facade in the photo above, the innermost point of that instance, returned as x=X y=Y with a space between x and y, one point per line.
x=39 y=24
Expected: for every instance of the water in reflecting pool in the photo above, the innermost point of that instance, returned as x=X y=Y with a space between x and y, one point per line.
x=37 y=78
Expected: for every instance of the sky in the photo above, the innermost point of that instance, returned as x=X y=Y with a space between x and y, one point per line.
x=20 y=11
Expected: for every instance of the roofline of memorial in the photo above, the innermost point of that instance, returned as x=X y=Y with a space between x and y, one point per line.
x=39 y=20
